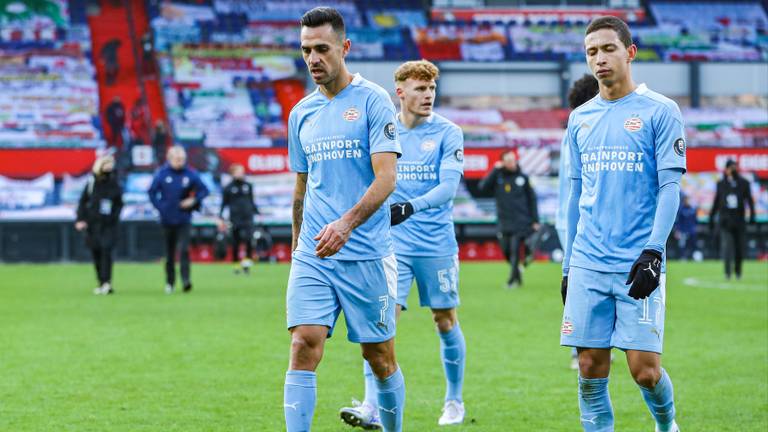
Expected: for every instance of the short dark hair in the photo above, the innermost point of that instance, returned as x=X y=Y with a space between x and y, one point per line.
x=611 y=22
x=322 y=15
x=583 y=89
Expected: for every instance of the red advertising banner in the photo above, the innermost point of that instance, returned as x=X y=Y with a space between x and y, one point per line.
x=534 y=15
x=713 y=159
x=478 y=161
x=257 y=160
x=31 y=163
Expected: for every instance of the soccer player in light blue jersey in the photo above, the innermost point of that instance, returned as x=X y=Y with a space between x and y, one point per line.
x=627 y=149
x=425 y=242
x=343 y=146
x=582 y=90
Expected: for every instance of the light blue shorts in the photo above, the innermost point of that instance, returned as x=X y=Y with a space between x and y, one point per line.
x=320 y=289
x=600 y=314
x=436 y=278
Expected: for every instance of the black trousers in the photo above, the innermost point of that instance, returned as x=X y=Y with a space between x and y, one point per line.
x=241 y=234
x=686 y=244
x=100 y=239
x=102 y=261
x=176 y=239
x=732 y=248
x=510 y=246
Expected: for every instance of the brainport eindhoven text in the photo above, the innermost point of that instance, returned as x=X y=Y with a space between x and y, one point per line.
x=612 y=161
x=333 y=149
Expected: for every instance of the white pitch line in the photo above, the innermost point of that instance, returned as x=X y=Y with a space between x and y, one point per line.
x=694 y=282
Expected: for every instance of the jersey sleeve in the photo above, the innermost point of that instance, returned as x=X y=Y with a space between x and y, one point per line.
x=572 y=145
x=296 y=156
x=669 y=139
x=382 y=129
x=453 y=150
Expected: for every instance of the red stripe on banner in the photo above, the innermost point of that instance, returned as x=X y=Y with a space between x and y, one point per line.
x=257 y=160
x=534 y=161
x=479 y=161
x=32 y=163
x=521 y=15
x=713 y=159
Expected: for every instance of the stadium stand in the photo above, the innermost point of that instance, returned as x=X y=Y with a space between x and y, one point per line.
x=224 y=74
x=48 y=96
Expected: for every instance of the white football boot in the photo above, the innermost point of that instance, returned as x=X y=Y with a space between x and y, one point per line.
x=453 y=413
x=362 y=415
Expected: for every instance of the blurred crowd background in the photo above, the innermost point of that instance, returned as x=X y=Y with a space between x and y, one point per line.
x=81 y=78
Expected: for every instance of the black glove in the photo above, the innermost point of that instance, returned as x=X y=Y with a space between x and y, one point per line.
x=564 y=288
x=400 y=212
x=645 y=274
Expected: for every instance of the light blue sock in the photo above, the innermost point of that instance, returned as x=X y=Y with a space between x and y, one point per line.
x=595 y=405
x=453 y=353
x=299 y=400
x=370 y=385
x=661 y=401
x=391 y=397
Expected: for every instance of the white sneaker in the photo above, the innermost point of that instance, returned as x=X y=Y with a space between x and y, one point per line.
x=453 y=413
x=168 y=289
x=246 y=265
x=362 y=415
x=104 y=289
x=674 y=427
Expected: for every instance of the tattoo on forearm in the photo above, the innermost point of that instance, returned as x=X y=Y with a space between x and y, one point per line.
x=298 y=212
x=298 y=218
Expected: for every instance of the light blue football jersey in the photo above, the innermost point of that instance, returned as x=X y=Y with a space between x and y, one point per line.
x=616 y=149
x=332 y=140
x=436 y=144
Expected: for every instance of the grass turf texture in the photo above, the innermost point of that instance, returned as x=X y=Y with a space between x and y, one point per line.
x=214 y=360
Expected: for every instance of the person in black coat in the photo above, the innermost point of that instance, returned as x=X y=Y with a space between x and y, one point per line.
x=115 y=115
x=238 y=196
x=160 y=139
x=516 y=210
x=728 y=215
x=98 y=214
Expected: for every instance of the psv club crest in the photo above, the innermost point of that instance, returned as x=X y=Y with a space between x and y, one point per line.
x=567 y=328
x=351 y=115
x=633 y=124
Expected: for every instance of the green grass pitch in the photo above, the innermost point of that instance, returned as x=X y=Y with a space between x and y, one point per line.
x=214 y=360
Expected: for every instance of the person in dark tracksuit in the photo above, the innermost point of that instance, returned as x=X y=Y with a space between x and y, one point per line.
x=685 y=229
x=238 y=196
x=98 y=214
x=727 y=215
x=516 y=210
x=177 y=191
